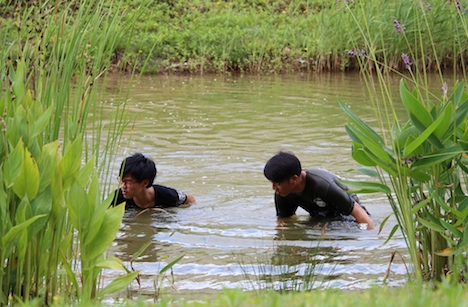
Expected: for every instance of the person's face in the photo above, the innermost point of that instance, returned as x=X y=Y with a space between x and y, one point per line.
x=285 y=187
x=131 y=187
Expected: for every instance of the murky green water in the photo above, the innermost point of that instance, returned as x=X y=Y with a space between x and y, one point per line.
x=211 y=136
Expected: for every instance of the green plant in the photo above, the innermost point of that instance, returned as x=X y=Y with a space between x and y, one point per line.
x=55 y=224
x=421 y=163
x=287 y=268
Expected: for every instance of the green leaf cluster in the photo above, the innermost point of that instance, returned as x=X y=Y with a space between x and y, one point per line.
x=423 y=170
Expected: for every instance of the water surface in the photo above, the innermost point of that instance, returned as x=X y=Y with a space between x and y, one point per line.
x=211 y=136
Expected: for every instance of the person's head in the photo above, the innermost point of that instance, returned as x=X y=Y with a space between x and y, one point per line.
x=283 y=170
x=139 y=169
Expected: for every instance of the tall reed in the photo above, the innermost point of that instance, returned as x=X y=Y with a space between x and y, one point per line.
x=56 y=225
x=420 y=162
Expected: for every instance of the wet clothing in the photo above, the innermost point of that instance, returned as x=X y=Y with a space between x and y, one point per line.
x=323 y=196
x=164 y=197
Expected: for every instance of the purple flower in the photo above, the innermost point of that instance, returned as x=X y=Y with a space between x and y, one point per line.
x=445 y=88
x=355 y=53
x=399 y=27
x=406 y=59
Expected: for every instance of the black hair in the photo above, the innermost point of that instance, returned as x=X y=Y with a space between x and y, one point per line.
x=139 y=167
x=282 y=166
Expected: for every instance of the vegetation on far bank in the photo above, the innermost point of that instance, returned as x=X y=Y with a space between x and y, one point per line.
x=270 y=36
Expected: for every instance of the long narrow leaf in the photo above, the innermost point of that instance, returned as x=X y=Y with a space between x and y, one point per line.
x=409 y=149
x=437 y=157
x=366 y=187
x=360 y=124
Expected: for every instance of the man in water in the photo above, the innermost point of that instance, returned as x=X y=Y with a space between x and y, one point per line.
x=137 y=174
x=317 y=191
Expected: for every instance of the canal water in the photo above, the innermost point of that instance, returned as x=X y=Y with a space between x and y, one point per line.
x=211 y=136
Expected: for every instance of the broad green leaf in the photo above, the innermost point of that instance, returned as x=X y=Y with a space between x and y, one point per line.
x=71 y=162
x=420 y=175
x=47 y=163
x=96 y=220
x=23 y=212
x=414 y=106
x=409 y=149
x=437 y=157
x=422 y=128
x=41 y=205
x=80 y=211
x=86 y=172
x=19 y=86
x=41 y=122
x=461 y=114
x=27 y=183
x=368 y=171
x=377 y=149
x=362 y=126
x=359 y=155
x=457 y=95
x=365 y=187
x=118 y=284
x=109 y=227
x=387 y=167
x=13 y=165
x=13 y=232
x=111 y=263
x=401 y=139
x=352 y=136
x=444 y=125
x=56 y=184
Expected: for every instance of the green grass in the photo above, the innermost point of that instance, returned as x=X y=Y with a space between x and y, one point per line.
x=411 y=296
x=275 y=36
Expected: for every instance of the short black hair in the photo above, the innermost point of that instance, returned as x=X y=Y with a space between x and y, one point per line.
x=282 y=166
x=139 y=167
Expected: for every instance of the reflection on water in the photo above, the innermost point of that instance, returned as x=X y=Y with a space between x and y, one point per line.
x=211 y=136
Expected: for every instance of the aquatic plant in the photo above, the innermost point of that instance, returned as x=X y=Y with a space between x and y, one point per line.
x=288 y=268
x=56 y=222
x=420 y=162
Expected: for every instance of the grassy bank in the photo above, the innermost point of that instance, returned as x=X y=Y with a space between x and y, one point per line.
x=273 y=36
x=383 y=297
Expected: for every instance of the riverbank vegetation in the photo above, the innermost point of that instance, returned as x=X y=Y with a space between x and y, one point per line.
x=420 y=162
x=58 y=141
x=267 y=36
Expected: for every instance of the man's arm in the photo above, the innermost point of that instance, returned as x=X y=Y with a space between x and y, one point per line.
x=361 y=216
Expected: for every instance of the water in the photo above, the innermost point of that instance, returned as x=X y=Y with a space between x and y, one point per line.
x=211 y=136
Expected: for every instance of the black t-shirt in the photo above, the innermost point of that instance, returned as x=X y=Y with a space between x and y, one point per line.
x=323 y=195
x=164 y=197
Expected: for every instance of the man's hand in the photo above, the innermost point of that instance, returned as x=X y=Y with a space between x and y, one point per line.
x=361 y=216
